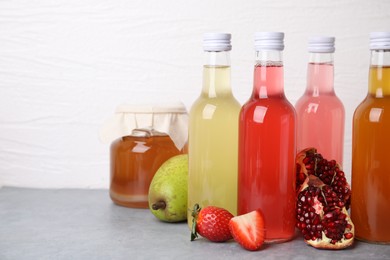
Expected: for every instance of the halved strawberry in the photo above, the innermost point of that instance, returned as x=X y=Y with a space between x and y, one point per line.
x=248 y=230
x=211 y=223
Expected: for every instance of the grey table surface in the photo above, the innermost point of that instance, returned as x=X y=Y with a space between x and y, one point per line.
x=85 y=224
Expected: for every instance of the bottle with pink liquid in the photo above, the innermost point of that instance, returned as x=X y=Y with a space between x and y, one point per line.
x=267 y=145
x=320 y=112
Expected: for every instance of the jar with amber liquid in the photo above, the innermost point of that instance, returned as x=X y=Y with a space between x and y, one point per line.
x=144 y=138
x=134 y=161
x=370 y=200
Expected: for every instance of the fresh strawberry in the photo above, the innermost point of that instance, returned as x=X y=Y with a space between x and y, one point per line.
x=211 y=223
x=248 y=230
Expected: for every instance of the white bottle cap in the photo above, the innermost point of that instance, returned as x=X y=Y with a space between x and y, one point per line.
x=380 y=41
x=217 y=42
x=269 y=41
x=321 y=44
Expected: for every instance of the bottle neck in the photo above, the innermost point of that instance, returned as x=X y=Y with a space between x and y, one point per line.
x=320 y=74
x=216 y=74
x=379 y=74
x=268 y=75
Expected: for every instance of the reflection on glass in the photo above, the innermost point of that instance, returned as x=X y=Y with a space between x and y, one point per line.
x=312 y=108
x=375 y=114
x=259 y=114
x=208 y=111
x=140 y=147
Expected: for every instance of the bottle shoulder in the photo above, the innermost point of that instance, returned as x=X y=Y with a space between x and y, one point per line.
x=272 y=101
x=373 y=111
x=372 y=102
x=217 y=101
x=324 y=102
x=276 y=105
x=320 y=96
x=216 y=106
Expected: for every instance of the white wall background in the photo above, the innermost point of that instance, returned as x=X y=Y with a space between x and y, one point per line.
x=66 y=64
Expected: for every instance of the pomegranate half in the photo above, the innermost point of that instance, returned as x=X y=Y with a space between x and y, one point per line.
x=323 y=196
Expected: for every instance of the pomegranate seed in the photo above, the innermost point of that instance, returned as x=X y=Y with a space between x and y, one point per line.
x=329 y=215
x=348 y=235
x=342 y=216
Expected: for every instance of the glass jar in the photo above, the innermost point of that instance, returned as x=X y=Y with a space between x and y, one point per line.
x=142 y=138
x=134 y=161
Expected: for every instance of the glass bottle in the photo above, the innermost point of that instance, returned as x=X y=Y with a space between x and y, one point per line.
x=267 y=144
x=320 y=113
x=213 y=132
x=370 y=200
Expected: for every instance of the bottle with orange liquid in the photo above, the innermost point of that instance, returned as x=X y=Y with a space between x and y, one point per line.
x=213 y=132
x=267 y=146
x=320 y=113
x=370 y=200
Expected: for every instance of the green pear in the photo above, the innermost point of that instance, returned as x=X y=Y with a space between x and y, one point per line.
x=168 y=190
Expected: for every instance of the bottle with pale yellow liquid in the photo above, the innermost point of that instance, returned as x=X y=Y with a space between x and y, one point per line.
x=213 y=132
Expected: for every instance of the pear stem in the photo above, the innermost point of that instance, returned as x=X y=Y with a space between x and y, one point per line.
x=159 y=205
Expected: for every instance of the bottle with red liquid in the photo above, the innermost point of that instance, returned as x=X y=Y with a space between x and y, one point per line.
x=320 y=113
x=267 y=145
